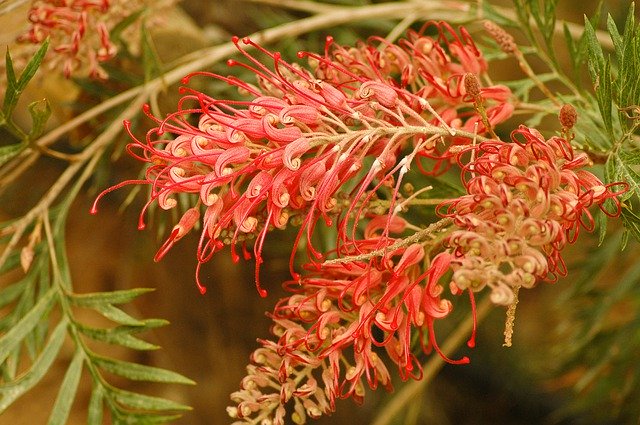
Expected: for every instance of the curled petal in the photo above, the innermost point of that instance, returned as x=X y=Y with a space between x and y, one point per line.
x=305 y=114
x=383 y=93
x=260 y=184
x=280 y=135
x=235 y=155
x=310 y=178
x=293 y=151
x=263 y=105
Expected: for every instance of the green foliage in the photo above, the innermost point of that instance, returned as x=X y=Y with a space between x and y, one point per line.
x=617 y=90
x=608 y=107
x=15 y=86
x=603 y=335
x=40 y=111
x=31 y=300
x=543 y=13
x=150 y=59
x=600 y=70
x=622 y=166
x=11 y=390
x=7 y=153
x=39 y=305
x=578 y=48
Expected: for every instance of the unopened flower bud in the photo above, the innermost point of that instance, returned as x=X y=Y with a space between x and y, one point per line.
x=503 y=38
x=568 y=116
x=472 y=85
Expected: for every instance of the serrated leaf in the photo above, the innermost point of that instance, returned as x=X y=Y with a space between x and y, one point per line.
x=119 y=336
x=583 y=47
x=7 y=153
x=95 y=413
x=604 y=96
x=630 y=156
x=113 y=297
x=40 y=112
x=138 y=372
x=619 y=170
x=117 y=315
x=593 y=45
x=145 y=402
x=631 y=224
x=628 y=56
x=68 y=389
x=11 y=391
x=615 y=35
x=26 y=324
x=630 y=26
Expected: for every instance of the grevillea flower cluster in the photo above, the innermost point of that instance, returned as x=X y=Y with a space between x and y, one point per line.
x=289 y=152
x=525 y=201
x=334 y=142
x=78 y=31
x=339 y=325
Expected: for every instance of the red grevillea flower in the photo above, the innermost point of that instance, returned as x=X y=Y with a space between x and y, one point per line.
x=525 y=201
x=341 y=328
x=288 y=151
x=434 y=69
x=79 y=32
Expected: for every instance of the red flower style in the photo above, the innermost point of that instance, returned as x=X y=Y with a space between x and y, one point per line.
x=525 y=201
x=337 y=328
x=288 y=152
x=79 y=32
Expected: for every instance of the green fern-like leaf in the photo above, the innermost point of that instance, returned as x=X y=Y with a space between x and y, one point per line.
x=11 y=391
x=68 y=390
x=47 y=286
